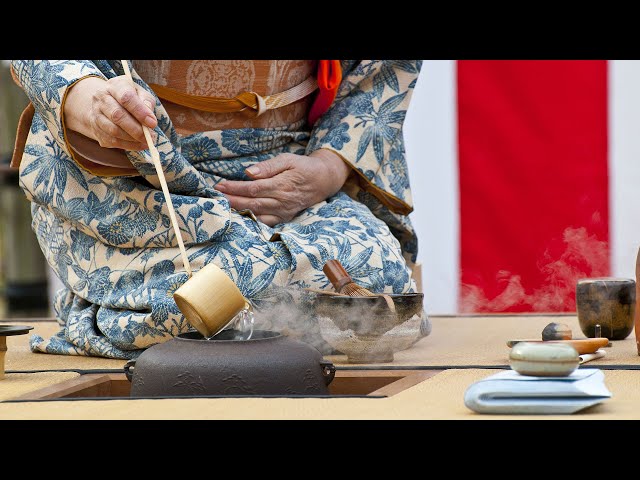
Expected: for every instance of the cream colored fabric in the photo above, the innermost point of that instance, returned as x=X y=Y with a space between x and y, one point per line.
x=453 y=341
x=440 y=397
x=17 y=384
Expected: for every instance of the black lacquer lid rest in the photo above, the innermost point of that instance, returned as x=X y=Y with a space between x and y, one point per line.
x=9 y=330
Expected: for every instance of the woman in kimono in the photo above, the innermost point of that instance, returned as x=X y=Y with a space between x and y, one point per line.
x=273 y=166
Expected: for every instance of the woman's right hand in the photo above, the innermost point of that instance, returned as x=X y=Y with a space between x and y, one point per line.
x=110 y=112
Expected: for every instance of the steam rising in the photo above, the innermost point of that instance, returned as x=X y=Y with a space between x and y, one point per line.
x=293 y=318
x=356 y=327
x=584 y=256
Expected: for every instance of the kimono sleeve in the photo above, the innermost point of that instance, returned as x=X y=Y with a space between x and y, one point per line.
x=46 y=83
x=364 y=127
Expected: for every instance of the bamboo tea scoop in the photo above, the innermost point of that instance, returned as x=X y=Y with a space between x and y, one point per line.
x=209 y=299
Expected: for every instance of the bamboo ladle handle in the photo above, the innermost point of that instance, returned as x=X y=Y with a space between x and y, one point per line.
x=155 y=158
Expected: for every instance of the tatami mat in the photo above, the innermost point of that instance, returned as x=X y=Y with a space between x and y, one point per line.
x=440 y=397
x=16 y=384
x=458 y=341
x=454 y=341
x=20 y=358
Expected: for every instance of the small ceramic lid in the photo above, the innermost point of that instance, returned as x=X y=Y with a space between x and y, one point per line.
x=544 y=352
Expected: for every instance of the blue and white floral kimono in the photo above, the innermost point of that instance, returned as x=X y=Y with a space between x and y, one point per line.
x=110 y=241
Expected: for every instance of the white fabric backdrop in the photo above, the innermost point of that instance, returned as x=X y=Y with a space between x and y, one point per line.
x=431 y=142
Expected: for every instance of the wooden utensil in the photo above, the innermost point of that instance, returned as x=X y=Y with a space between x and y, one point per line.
x=586 y=345
x=342 y=281
x=344 y=284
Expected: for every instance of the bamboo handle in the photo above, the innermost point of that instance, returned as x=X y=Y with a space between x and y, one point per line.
x=155 y=157
x=336 y=274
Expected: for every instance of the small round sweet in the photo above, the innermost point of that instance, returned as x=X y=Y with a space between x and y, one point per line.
x=544 y=359
x=557 y=331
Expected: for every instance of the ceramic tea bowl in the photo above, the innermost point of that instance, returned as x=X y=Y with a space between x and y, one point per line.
x=367 y=330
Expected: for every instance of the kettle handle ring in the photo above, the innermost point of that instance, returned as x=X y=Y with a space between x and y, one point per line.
x=129 y=368
x=328 y=371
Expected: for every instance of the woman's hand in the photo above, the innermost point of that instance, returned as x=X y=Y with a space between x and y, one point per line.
x=285 y=185
x=110 y=112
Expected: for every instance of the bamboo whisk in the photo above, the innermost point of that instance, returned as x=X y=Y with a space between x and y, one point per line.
x=344 y=284
x=155 y=158
x=342 y=281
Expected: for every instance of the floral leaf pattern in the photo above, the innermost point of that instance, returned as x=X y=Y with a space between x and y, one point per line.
x=372 y=102
x=110 y=241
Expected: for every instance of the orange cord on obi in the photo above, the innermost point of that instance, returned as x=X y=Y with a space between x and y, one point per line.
x=329 y=78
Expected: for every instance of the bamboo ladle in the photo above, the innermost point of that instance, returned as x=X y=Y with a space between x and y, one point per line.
x=209 y=299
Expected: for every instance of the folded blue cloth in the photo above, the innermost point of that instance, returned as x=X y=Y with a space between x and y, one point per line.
x=509 y=392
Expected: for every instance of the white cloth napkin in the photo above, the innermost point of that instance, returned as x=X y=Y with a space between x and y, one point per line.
x=587 y=357
x=509 y=392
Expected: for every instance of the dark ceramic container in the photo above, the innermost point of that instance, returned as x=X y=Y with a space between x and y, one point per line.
x=608 y=302
x=268 y=364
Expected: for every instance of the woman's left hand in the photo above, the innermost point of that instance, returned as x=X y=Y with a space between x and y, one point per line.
x=285 y=185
